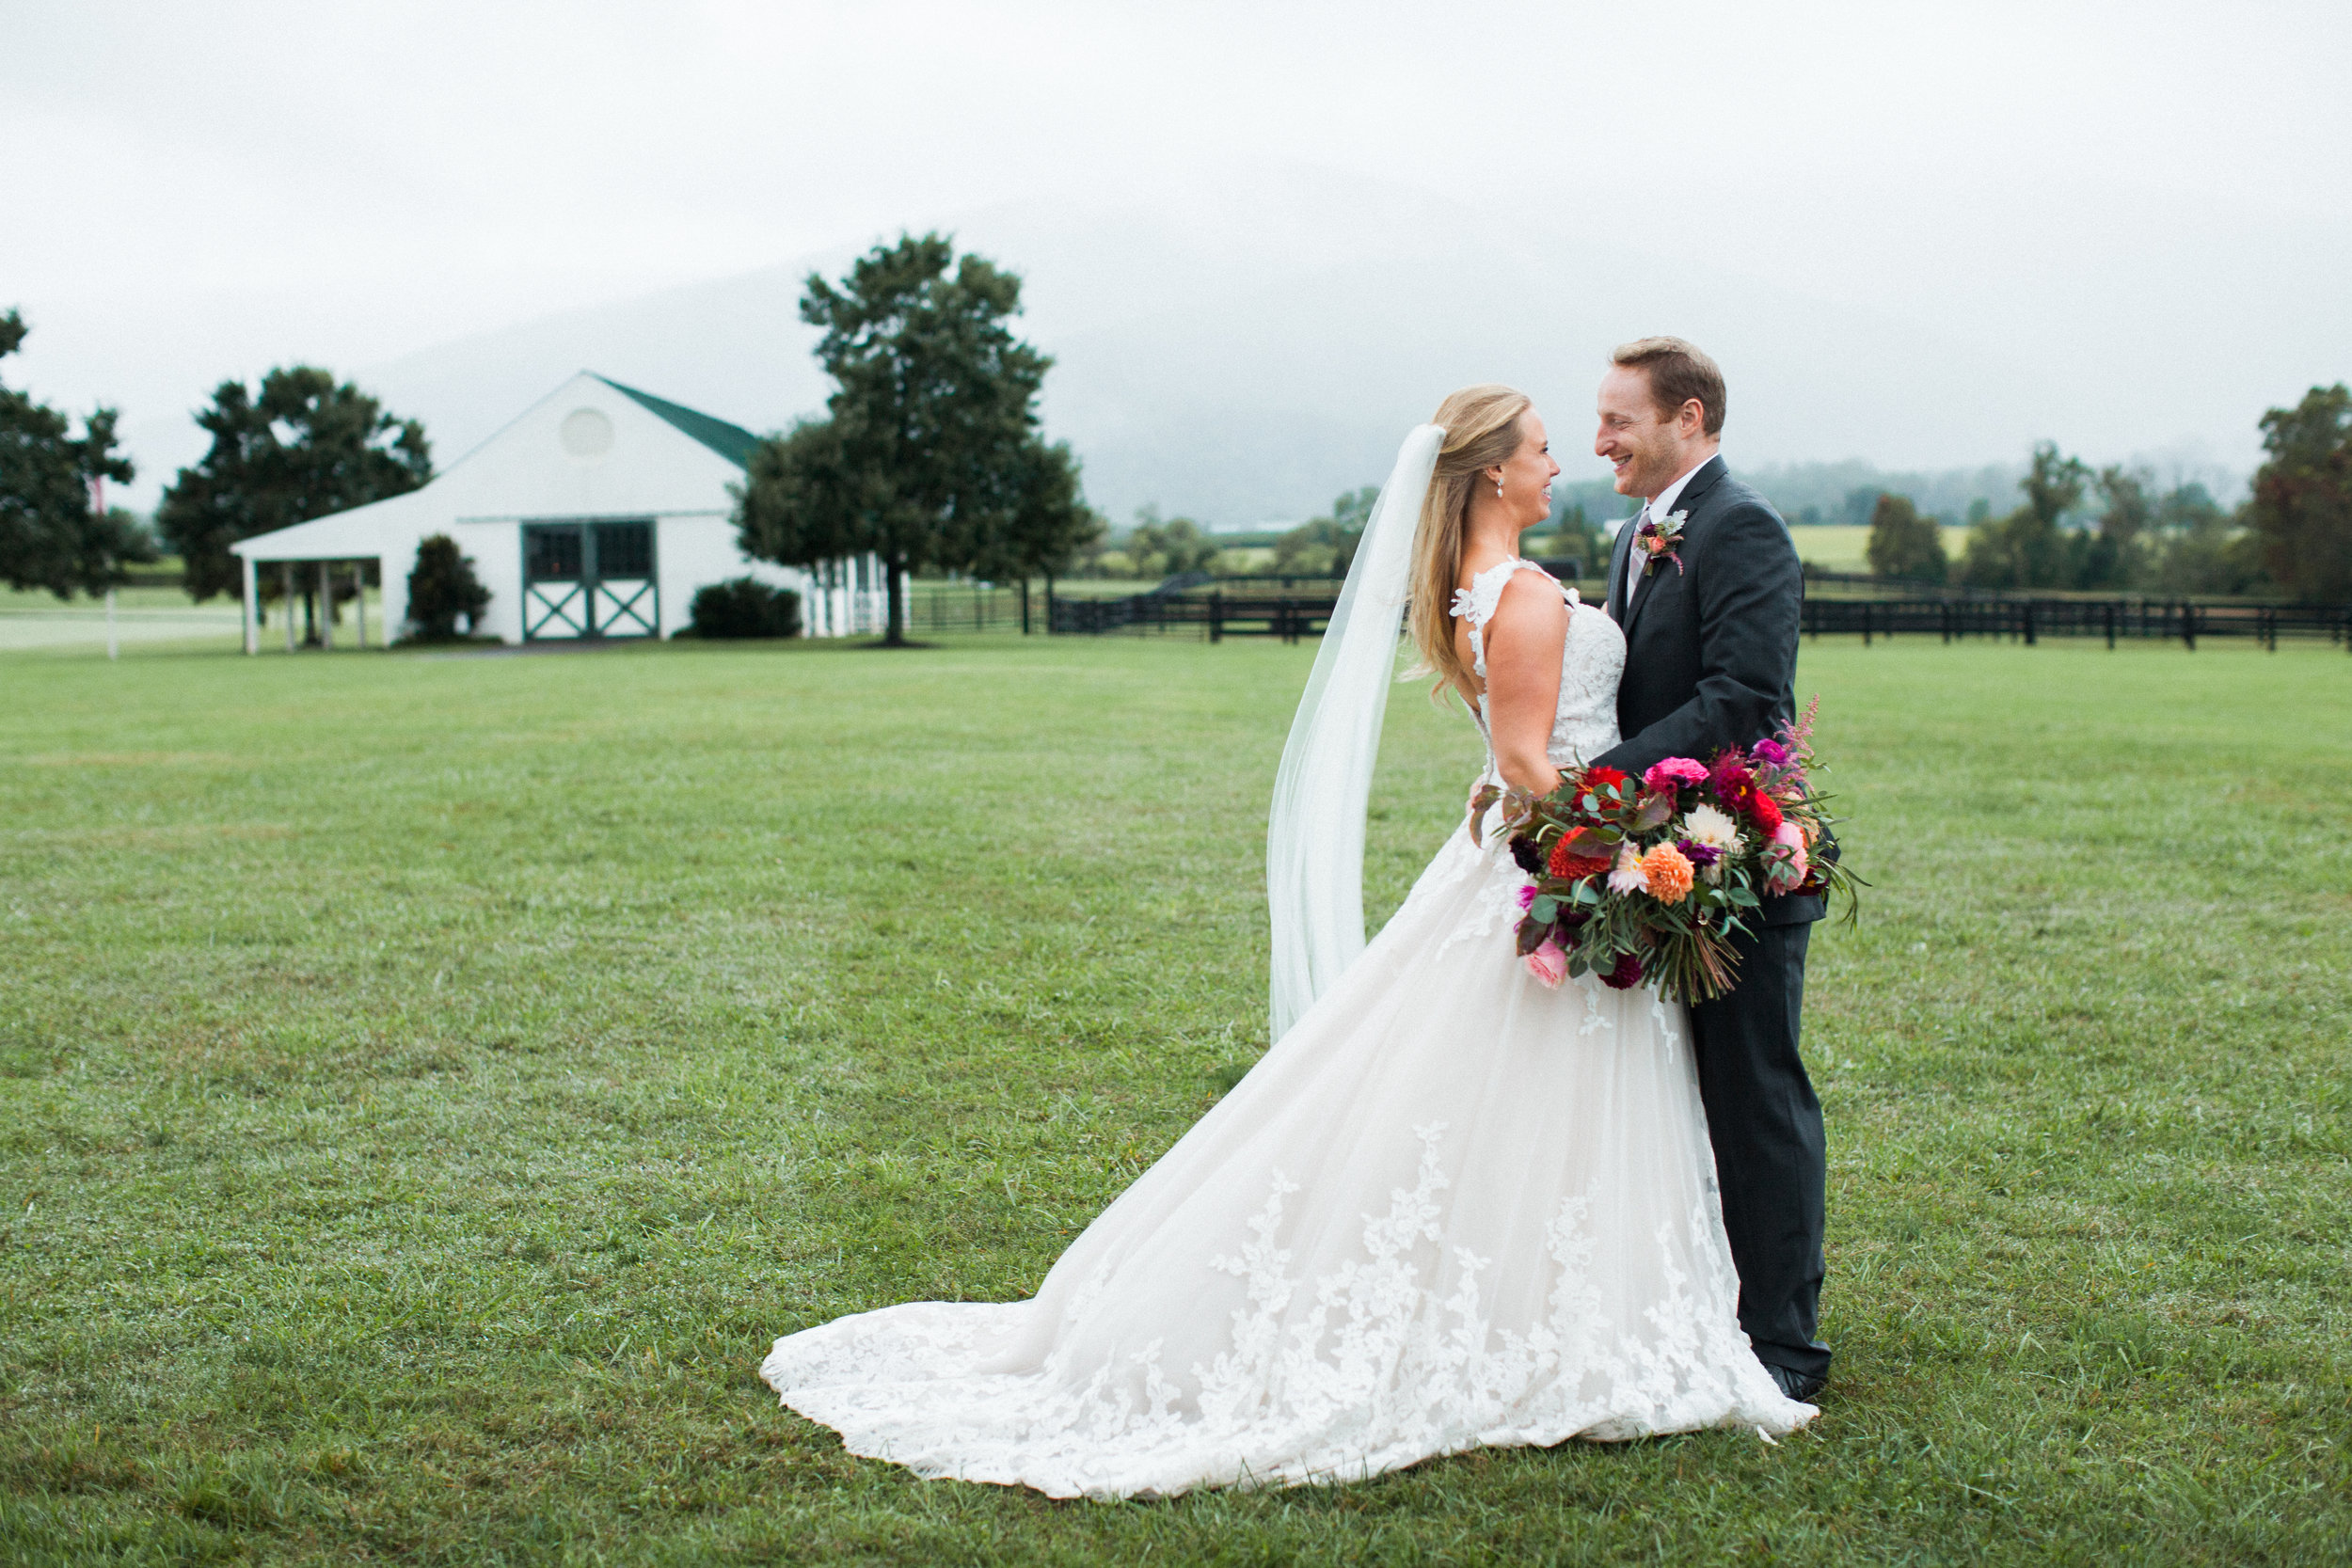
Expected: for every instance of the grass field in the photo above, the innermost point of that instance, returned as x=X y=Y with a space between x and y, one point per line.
x=427 y=1083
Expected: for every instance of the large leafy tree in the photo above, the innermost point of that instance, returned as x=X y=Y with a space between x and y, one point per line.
x=930 y=454
x=51 y=534
x=2026 y=549
x=1047 y=524
x=303 y=447
x=1904 y=544
x=2301 y=509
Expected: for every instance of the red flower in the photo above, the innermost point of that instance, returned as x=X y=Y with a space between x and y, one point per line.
x=1599 y=778
x=1573 y=868
x=1732 y=784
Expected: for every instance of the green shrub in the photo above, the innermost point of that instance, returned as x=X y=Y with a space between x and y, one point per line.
x=745 y=607
x=441 y=589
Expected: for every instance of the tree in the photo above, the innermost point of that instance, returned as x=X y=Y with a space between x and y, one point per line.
x=1048 y=527
x=442 y=588
x=1576 y=536
x=52 y=534
x=1904 y=544
x=304 y=447
x=1168 y=547
x=2202 y=548
x=2301 y=510
x=1326 y=546
x=931 y=455
x=2026 y=549
x=1862 y=504
x=2120 y=552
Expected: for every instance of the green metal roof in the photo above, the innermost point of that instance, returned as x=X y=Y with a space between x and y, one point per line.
x=730 y=441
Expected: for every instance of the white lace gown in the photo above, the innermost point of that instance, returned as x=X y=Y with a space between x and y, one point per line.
x=1448 y=1209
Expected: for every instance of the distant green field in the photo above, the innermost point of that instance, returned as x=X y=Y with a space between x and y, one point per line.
x=1840 y=548
x=428 y=1083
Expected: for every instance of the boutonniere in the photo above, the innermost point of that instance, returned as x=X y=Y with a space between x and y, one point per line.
x=1660 y=540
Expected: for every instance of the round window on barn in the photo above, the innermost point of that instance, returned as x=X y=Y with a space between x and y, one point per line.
x=587 y=433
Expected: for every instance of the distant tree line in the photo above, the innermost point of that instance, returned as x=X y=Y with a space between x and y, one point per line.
x=2114 y=528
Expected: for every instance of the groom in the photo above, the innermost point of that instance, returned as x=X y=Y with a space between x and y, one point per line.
x=1710 y=662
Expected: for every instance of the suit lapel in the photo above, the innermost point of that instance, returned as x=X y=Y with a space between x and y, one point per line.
x=1693 y=496
x=1620 y=551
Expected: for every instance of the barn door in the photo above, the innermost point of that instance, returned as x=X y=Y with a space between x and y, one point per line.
x=588 y=579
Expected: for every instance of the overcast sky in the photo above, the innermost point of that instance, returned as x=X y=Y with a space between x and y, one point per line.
x=2154 y=200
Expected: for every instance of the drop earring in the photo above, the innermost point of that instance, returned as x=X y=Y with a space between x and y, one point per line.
x=1497 y=487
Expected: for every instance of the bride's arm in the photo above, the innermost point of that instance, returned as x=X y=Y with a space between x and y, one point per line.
x=1524 y=642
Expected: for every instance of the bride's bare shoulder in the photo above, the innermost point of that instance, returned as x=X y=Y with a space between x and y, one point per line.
x=1531 y=602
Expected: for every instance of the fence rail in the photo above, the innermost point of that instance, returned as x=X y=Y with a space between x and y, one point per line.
x=1219 y=614
x=1215 y=615
x=2027 y=620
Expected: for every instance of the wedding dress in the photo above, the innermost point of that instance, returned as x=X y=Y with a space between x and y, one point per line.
x=1449 y=1207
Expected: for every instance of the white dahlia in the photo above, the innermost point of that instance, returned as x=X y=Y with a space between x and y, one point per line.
x=1712 y=827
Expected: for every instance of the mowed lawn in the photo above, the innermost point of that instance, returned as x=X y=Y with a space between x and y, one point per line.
x=427 y=1084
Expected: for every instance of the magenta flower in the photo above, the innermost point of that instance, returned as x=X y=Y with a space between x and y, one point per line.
x=1770 y=751
x=1527 y=896
x=1672 y=772
x=1698 y=854
x=1548 y=963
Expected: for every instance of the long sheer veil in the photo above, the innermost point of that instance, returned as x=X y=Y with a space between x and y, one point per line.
x=1315 y=847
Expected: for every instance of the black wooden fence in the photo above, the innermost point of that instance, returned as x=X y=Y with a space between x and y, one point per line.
x=2030 y=620
x=1291 y=608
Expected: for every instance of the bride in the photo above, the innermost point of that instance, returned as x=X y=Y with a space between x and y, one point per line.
x=1450 y=1207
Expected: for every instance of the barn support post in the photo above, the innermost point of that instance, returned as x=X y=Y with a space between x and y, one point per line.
x=285 y=584
x=359 y=602
x=327 y=608
x=253 y=607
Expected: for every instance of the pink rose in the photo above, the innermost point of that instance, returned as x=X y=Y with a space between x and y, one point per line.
x=1672 y=772
x=1789 y=869
x=1548 y=963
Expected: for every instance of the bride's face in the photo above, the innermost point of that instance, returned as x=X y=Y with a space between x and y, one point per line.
x=1527 y=477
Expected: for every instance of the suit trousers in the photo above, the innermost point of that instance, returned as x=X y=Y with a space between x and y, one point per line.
x=1771 y=1158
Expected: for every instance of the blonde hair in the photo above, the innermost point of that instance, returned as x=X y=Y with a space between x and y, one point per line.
x=1481 y=431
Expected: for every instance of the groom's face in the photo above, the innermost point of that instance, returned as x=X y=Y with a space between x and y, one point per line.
x=1646 y=447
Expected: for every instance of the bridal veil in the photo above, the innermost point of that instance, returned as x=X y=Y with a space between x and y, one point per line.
x=1314 y=854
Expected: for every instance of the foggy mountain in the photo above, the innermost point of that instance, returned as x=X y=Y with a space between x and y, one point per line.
x=1242 y=352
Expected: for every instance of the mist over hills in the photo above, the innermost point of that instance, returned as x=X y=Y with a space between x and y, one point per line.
x=1241 y=351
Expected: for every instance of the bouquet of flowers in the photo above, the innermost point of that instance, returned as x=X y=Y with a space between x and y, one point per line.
x=1649 y=878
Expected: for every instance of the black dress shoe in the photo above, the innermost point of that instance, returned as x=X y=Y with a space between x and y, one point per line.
x=1802 y=1386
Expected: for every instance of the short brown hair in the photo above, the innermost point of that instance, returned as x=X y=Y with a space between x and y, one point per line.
x=1678 y=371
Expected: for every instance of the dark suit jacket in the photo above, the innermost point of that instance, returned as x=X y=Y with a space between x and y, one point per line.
x=1711 y=650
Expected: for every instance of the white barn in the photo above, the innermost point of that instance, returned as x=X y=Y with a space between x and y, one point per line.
x=596 y=514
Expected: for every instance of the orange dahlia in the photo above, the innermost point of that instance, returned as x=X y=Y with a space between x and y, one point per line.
x=1667 y=870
